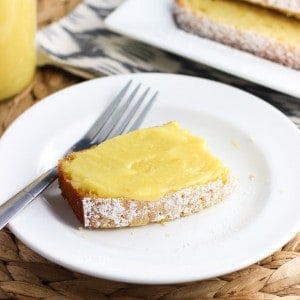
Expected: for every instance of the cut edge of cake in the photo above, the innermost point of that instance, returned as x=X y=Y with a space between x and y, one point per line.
x=95 y=212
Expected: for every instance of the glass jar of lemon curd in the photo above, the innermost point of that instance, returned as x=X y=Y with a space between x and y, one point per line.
x=17 y=45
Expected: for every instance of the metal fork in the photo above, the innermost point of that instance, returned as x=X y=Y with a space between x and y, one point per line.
x=122 y=115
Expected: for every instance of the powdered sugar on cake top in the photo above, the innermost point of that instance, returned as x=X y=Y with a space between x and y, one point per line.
x=286 y=5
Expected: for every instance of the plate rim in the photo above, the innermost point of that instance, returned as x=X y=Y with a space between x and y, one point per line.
x=116 y=277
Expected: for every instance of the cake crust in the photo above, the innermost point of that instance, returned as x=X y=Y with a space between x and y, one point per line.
x=95 y=212
x=259 y=45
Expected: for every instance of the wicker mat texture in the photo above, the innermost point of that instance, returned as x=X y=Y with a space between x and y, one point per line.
x=26 y=275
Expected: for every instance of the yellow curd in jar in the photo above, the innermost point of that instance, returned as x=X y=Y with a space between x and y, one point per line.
x=17 y=45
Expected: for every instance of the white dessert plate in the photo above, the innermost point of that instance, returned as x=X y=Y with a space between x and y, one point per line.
x=255 y=140
x=152 y=22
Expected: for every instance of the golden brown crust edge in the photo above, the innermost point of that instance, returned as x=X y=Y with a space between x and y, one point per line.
x=259 y=45
x=120 y=212
x=70 y=194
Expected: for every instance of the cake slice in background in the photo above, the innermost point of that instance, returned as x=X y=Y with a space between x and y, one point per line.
x=288 y=7
x=240 y=24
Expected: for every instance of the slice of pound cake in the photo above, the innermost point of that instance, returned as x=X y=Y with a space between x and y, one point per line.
x=149 y=175
x=253 y=28
x=288 y=7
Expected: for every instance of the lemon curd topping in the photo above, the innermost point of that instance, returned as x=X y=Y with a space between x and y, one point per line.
x=145 y=164
x=17 y=45
x=246 y=16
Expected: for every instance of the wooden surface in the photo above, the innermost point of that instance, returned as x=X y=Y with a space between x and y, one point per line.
x=26 y=275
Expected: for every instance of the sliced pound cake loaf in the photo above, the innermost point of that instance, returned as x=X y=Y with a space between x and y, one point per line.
x=149 y=175
x=263 y=32
x=288 y=7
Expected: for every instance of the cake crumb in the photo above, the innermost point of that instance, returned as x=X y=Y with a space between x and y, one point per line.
x=251 y=177
x=235 y=144
x=80 y=228
x=164 y=222
x=251 y=139
x=131 y=233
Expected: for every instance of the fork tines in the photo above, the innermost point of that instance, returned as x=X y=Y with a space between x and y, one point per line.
x=125 y=113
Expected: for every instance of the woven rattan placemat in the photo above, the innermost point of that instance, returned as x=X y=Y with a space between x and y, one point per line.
x=26 y=275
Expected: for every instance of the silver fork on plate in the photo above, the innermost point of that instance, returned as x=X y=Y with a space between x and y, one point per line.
x=122 y=115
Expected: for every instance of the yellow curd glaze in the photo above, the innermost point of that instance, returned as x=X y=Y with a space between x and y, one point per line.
x=17 y=45
x=250 y=17
x=145 y=164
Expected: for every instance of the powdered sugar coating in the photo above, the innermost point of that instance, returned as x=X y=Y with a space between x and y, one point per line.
x=119 y=212
x=290 y=7
x=253 y=42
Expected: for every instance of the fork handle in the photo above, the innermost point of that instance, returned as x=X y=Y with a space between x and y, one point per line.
x=16 y=203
